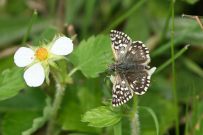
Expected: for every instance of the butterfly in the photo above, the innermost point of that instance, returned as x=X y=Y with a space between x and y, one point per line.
x=131 y=71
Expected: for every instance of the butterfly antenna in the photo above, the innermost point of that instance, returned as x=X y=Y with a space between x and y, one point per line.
x=197 y=18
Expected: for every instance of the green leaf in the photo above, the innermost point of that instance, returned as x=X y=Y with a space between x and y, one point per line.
x=11 y=82
x=15 y=122
x=101 y=117
x=40 y=121
x=6 y=63
x=24 y=112
x=71 y=120
x=81 y=98
x=92 y=56
x=30 y=99
x=90 y=92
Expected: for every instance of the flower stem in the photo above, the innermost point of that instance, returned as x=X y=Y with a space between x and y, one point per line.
x=135 y=124
x=60 y=88
x=72 y=72
x=33 y=18
x=118 y=129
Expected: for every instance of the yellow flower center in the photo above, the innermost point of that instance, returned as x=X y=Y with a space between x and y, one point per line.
x=41 y=54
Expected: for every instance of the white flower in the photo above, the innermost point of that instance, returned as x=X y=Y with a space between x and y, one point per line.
x=35 y=59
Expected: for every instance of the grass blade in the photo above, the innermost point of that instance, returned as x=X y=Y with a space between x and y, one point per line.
x=166 y=46
x=152 y=113
x=125 y=15
x=168 y=62
x=193 y=67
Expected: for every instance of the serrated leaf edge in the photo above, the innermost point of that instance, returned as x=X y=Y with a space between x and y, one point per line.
x=95 y=124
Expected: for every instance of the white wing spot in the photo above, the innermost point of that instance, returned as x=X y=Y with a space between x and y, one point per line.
x=148 y=77
x=140 y=42
x=122 y=51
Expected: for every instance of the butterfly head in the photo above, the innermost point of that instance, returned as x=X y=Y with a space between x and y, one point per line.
x=112 y=68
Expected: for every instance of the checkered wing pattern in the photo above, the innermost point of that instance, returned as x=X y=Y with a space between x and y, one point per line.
x=121 y=91
x=132 y=74
x=120 y=42
x=137 y=53
x=138 y=81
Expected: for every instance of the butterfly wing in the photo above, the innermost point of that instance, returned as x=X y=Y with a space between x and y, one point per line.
x=137 y=53
x=121 y=92
x=136 y=81
x=139 y=80
x=120 y=41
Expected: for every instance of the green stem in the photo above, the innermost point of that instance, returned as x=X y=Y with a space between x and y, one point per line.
x=118 y=129
x=135 y=123
x=134 y=104
x=34 y=15
x=60 y=88
x=72 y=72
x=173 y=68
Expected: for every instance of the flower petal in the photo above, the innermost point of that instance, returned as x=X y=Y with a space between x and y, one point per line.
x=24 y=56
x=34 y=76
x=62 y=46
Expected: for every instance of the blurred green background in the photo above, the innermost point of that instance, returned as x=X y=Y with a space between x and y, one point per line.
x=145 y=20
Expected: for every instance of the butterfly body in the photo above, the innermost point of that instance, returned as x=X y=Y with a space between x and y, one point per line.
x=126 y=67
x=131 y=71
